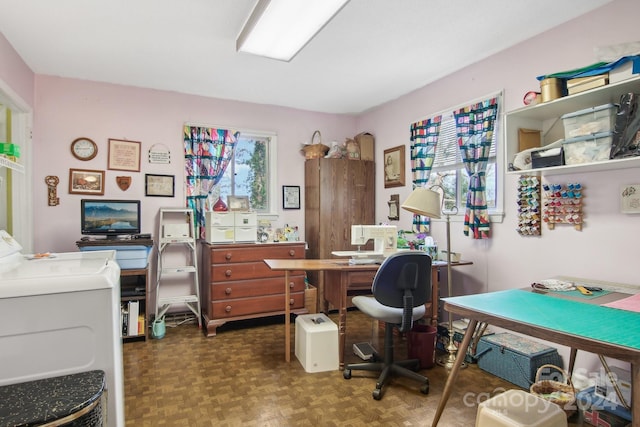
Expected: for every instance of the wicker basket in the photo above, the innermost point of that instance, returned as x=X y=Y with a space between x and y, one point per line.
x=315 y=150
x=562 y=394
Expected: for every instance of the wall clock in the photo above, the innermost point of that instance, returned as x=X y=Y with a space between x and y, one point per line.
x=84 y=149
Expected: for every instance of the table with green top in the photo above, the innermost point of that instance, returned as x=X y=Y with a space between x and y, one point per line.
x=580 y=325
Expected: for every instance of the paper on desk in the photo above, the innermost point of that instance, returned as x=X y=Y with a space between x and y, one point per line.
x=631 y=303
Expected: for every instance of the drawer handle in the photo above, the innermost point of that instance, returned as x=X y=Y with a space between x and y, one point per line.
x=227 y=291
x=228 y=256
x=228 y=309
x=292 y=253
x=291 y=284
x=291 y=301
x=227 y=273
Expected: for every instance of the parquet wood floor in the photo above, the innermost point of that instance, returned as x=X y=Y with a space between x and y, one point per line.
x=240 y=378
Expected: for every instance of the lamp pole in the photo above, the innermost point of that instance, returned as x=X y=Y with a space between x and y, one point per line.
x=449 y=359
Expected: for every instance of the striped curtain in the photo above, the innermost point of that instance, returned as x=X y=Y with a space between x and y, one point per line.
x=207 y=152
x=474 y=130
x=424 y=138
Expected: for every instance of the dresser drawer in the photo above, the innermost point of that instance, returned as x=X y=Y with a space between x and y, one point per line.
x=241 y=271
x=255 y=288
x=257 y=252
x=248 y=306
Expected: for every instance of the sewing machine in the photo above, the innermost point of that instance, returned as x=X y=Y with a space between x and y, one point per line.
x=385 y=239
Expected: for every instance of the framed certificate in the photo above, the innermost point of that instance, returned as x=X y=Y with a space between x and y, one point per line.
x=291 y=197
x=124 y=155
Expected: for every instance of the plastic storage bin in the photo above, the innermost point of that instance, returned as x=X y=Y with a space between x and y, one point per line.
x=514 y=358
x=517 y=408
x=589 y=121
x=597 y=410
x=128 y=257
x=317 y=343
x=587 y=149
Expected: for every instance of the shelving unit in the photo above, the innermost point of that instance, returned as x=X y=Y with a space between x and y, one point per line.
x=177 y=231
x=546 y=118
x=134 y=283
x=4 y=162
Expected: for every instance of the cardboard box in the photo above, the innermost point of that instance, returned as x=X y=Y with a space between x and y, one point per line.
x=629 y=69
x=366 y=142
x=528 y=138
x=581 y=84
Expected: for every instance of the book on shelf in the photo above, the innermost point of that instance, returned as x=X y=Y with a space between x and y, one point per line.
x=134 y=312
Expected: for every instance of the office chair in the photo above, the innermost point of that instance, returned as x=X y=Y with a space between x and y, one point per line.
x=401 y=287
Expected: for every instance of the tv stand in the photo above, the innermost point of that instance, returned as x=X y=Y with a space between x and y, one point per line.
x=134 y=283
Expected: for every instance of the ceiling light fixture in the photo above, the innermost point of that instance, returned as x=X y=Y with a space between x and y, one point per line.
x=279 y=29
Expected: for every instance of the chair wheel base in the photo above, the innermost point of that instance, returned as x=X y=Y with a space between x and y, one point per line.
x=424 y=389
x=377 y=394
x=346 y=374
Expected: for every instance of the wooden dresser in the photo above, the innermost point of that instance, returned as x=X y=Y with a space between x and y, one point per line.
x=236 y=284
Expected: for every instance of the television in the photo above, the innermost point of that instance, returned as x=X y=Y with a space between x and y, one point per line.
x=110 y=218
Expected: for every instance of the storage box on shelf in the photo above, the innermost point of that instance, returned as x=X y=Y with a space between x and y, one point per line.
x=230 y=227
x=589 y=121
x=587 y=148
x=546 y=117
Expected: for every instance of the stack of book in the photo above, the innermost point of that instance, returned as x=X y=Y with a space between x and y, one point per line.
x=131 y=321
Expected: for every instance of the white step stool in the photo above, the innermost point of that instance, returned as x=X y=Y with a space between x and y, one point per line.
x=317 y=343
x=518 y=408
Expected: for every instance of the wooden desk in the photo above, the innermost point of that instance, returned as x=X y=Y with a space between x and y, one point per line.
x=349 y=277
x=579 y=325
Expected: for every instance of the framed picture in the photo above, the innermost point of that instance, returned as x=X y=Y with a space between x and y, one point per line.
x=394 y=207
x=630 y=199
x=159 y=185
x=124 y=155
x=291 y=197
x=238 y=203
x=394 y=167
x=82 y=181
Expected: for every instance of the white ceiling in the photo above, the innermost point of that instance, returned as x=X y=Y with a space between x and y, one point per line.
x=373 y=51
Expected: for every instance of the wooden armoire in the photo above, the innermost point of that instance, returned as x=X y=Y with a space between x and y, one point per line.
x=339 y=193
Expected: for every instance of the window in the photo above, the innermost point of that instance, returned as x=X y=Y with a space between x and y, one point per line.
x=448 y=170
x=251 y=171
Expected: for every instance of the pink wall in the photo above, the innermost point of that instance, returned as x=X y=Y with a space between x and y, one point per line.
x=15 y=73
x=68 y=109
x=606 y=247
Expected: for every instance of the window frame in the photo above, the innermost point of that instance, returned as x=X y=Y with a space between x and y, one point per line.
x=496 y=214
x=272 y=164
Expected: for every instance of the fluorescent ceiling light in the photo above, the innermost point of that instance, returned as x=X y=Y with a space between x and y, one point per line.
x=278 y=29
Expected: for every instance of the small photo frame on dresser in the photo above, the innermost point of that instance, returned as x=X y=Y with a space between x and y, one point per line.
x=238 y=203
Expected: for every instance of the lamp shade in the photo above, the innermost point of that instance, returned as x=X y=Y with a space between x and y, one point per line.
x=423 y=201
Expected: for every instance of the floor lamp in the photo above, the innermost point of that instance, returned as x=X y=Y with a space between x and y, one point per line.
x=427 y=202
